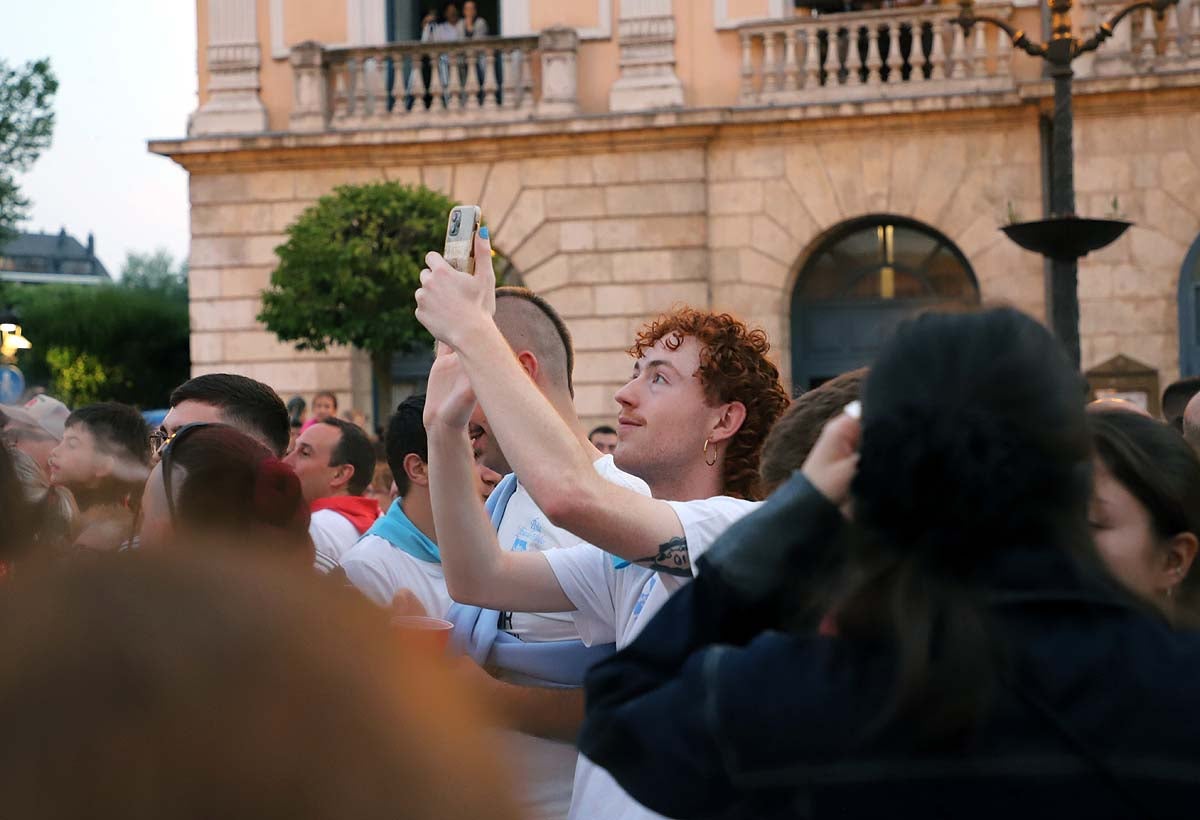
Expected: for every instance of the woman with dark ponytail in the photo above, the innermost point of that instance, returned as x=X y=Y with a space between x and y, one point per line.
x=217 y=488
x=975 y=659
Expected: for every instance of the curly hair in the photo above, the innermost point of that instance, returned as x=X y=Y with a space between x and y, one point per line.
x=733 y=367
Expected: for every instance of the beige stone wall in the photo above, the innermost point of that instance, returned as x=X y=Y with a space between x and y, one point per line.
x=1147 y=158
x=613 y=237
x=774 y=194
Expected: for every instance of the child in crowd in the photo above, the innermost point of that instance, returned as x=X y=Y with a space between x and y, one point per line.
x=104 y=456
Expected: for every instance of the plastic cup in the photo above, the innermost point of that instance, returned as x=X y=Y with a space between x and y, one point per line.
x=430 y=634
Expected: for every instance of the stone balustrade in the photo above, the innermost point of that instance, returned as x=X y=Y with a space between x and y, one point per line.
x=870 y=55
x=1143 y=44
x=434 y=84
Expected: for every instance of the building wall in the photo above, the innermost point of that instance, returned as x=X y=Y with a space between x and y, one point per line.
x=1144 y=152
x=616 y=218
x=613 y=236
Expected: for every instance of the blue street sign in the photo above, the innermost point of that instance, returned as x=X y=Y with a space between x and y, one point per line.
x=12 y=384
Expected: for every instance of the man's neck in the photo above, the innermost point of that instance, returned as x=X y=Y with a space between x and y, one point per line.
x=689 y=483
x=565 y=406
x=419 y=510
x=342 y=493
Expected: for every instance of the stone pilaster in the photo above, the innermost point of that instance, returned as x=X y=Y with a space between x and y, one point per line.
x=646 y=35
x=233 y=105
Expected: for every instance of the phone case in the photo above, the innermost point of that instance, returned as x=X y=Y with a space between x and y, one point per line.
x=461 y=228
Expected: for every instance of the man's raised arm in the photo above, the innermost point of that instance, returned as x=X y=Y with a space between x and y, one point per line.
x=476 y=570
x=541 y=448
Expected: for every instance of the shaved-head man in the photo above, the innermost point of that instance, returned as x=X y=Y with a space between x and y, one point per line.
x=541 y=344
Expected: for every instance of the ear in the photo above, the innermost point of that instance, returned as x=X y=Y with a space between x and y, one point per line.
x=104 y=465
x=733 y=415
x=1179 y=552
x=341 y=476
x=529 y=364
x=416 y=470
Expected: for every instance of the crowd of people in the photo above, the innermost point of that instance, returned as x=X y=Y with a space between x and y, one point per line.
x=944 y=585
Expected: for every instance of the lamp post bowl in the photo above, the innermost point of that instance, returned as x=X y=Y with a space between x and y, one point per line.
x=1066 y=237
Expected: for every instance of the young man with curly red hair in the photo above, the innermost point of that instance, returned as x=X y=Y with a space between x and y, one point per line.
x=694 y=414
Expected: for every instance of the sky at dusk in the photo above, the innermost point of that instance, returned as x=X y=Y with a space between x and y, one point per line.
x=127 y=74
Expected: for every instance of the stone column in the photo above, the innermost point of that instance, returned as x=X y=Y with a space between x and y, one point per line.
x=646 y=35
x=233 y=105
x=558 y=48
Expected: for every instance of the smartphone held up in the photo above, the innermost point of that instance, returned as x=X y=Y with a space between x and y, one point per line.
x=460 y=237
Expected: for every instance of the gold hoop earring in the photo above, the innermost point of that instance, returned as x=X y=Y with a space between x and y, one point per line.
x=714 y=455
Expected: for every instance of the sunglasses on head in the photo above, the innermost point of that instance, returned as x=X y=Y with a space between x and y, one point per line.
x=166 y=448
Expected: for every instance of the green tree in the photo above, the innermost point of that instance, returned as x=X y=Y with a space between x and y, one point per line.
x=107 y=342
x=26 y=125
x=349 y=270
x=155 y=271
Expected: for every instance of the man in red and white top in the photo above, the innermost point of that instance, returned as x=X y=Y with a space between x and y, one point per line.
x=335 y=462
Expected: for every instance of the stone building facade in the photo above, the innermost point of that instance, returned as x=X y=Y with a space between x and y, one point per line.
x=632 y=155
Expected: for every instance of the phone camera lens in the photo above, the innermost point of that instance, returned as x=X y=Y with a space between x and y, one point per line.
x=455 y=223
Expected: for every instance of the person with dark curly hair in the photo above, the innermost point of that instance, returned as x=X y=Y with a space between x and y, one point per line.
x=702 y=396
x=981 y=661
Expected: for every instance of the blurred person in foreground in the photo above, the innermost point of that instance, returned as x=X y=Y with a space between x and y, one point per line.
x=215 y=488
x=164 y=687
x=1145 y=513
x=702 y=396
x=52 y=513
x=36 y=427
x=227 y=398
x=970 y=666
x=335 y=463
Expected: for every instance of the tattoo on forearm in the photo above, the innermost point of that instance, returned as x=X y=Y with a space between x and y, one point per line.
x=672 y=558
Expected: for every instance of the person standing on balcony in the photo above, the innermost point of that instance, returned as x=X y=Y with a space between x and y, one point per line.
x=433 y=31
x=444 y=32
x=472 y=25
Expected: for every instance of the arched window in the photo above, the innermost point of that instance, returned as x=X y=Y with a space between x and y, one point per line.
x=863 y=278
x=1189 y=313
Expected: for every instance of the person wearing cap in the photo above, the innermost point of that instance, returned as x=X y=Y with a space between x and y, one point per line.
x=36 y=428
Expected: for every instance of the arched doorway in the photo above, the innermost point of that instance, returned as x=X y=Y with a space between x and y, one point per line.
x=1189 y=313
x=862 y=279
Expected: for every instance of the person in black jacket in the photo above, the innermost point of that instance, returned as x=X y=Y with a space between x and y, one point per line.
x=974 y=658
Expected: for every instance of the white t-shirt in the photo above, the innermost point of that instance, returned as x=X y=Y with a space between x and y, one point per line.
x=333 y=535
x=615 y=605
x=380 y=571
x=548 y=766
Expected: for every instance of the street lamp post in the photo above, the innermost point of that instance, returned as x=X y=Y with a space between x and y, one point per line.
x=1064 y=237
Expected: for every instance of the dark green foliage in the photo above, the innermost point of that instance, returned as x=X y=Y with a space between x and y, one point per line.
x=350 y=267
x=26 y=125
x=124 y=342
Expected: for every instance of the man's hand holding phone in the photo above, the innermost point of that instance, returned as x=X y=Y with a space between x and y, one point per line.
x=451 y=303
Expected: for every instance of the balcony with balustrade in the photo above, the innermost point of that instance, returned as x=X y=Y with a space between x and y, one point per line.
x=899 y=59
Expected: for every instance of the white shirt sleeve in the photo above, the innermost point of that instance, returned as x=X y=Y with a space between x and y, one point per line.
x=703 y=521
x=583 y=573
